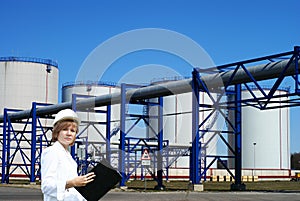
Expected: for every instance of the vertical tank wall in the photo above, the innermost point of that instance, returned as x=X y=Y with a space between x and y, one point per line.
x=265 y=135
x=23 y=81
x=27 y=80
x=177 y=125
x=94 y=132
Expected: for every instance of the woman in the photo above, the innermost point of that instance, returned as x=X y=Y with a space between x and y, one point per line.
x=58 y=169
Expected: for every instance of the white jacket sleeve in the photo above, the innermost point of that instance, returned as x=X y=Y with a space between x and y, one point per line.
x=53 y=180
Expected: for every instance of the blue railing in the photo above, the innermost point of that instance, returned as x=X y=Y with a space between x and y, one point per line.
x=29 y=59
x=93 y=83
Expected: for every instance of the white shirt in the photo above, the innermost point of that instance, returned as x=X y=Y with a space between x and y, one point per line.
x=58 y=166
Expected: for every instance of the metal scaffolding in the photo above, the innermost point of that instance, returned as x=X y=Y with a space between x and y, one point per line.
x=233 y=88
x=234 y=76
x=129 y=160
x=84 y=160
x=22 y=144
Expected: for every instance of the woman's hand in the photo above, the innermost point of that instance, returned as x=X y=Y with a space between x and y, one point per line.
x=81 y=180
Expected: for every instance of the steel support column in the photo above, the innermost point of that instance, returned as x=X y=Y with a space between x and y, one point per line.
x=160 y=185
x=195 y=150
x=238 y=185
x=297 y=57
x=122 y=134
x=108 y=136
x=74 y=109
x=33 y=142
x=4 y=148
x=7 y=131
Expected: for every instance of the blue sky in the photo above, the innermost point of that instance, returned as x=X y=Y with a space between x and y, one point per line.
x=229 y=31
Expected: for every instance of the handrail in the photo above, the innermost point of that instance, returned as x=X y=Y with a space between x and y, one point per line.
x=30 y=59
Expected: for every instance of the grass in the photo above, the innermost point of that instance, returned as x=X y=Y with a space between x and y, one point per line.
x=149 y=185
x=218 y=186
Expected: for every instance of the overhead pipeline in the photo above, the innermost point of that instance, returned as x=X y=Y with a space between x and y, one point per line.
x=260 y=72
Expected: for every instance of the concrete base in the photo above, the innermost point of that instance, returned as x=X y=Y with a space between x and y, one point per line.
x=196 y=187
x=124 y=188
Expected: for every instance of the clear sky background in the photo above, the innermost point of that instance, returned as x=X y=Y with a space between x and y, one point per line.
x=229 y=31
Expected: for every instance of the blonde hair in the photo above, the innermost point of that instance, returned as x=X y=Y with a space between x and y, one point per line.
x=63 y=125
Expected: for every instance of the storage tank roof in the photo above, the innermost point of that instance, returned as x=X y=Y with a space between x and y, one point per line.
x=93 y=83
x=30 y=59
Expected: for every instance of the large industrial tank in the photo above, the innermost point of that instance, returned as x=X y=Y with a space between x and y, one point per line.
x=93 y=123
x=23 y=81
x=265 y=134
x=177 y=127
x=27 y=80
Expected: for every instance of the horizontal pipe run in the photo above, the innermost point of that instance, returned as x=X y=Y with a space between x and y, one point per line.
x=260 y=72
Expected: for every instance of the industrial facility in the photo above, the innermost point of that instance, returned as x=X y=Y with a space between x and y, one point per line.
x=190 y=128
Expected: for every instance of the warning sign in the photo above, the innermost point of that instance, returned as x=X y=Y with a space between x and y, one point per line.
x=146 y=158
x=146 y=155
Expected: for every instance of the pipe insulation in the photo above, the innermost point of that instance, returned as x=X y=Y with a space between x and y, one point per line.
x=260 y=72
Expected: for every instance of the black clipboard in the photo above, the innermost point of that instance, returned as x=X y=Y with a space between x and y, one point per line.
x=106 y=179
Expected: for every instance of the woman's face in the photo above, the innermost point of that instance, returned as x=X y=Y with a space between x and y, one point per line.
x=67 y=135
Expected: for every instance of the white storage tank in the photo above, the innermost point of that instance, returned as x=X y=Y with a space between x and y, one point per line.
x=177 y=125
x=265 y=134
x=97 y=133
x=27 y=80
x=23 y=81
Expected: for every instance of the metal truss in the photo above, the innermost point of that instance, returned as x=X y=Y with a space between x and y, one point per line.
x=129 y=145
x=22 y=144
x=234 y=107
x=85 y=160
x=171 y=154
